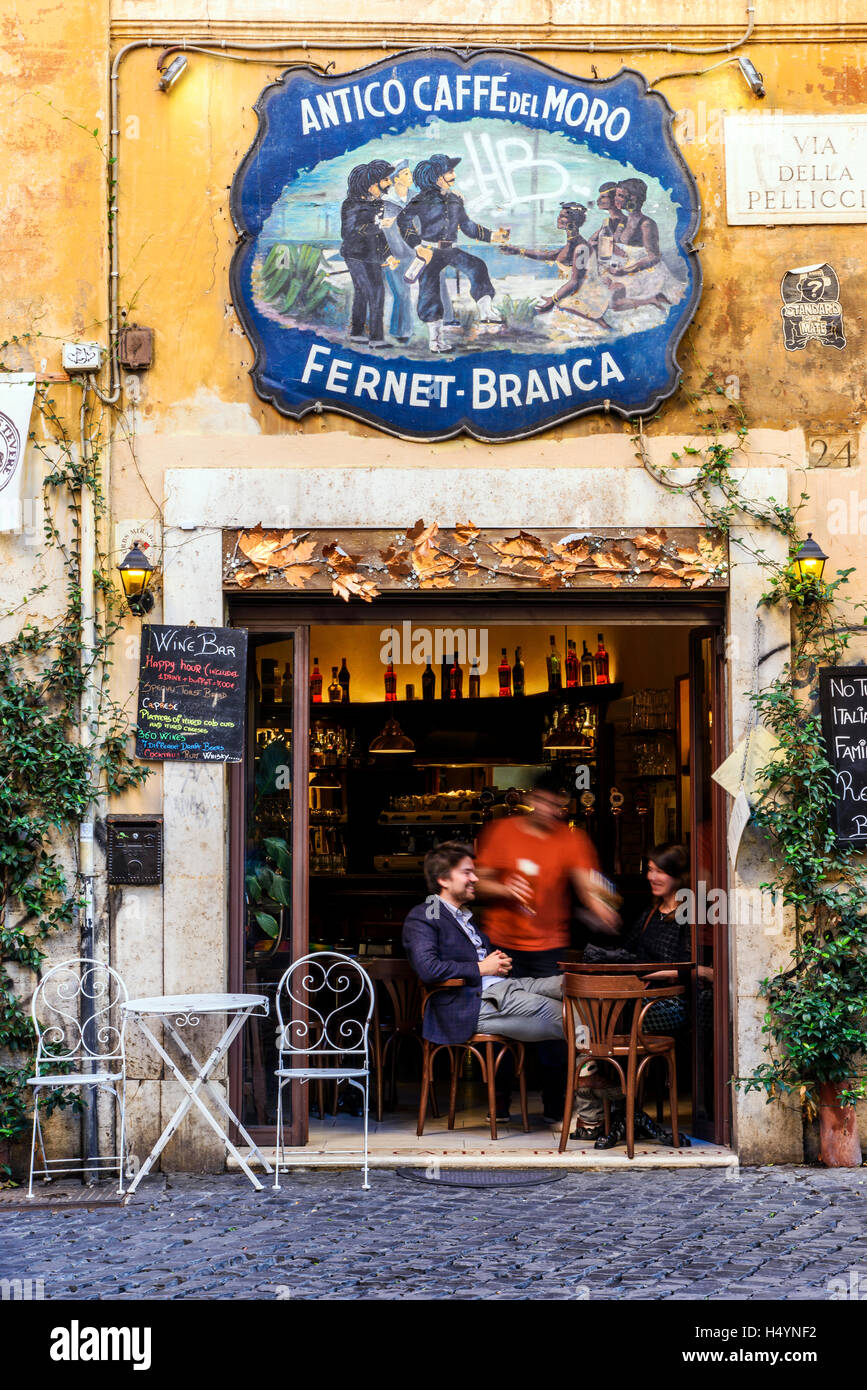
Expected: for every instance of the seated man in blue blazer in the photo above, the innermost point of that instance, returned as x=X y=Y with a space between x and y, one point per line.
x=443 y=943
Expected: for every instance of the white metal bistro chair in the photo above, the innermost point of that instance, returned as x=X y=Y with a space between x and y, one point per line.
x=327 y=1000
x=79 y=1026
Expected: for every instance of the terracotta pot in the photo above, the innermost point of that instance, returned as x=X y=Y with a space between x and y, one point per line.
x=838 y=1132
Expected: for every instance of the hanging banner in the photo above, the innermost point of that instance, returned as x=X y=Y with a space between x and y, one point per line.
x=438 y=244
x=17 y=390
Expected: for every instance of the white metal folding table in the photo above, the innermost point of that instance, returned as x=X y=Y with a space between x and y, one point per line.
x=186 y=1011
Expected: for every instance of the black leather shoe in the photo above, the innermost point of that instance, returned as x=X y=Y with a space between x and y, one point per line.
x=581 y=1132
x=616 y=1135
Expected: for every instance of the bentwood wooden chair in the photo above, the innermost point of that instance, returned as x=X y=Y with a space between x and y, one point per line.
x=489 y=1049
x=600 y=1002
x=396 y=1017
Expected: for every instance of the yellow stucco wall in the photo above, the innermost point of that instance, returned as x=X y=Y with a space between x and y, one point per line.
x=178 y=155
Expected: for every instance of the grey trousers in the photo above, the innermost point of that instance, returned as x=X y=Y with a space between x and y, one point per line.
x=530 y=1010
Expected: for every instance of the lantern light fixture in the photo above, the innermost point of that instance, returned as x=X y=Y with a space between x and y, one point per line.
x=810 y=560
x=136 y=573
x=170 y=74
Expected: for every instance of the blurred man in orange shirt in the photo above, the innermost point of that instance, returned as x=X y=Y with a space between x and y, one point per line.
x=528 y=868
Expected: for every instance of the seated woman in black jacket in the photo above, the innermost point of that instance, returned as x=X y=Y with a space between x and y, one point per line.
x=661 y=933
x=657 y=934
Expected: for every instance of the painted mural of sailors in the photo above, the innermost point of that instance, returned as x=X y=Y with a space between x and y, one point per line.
x=582 y=292
x=365 y=249
x=430 y=223
x=402 y=317
x=635 y=272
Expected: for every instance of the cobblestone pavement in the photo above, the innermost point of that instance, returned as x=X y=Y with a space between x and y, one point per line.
x=780 y=1233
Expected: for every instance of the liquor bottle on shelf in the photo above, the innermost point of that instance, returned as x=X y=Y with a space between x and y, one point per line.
x=456 y=681
x=571 y=665
x=445 y=675
x=518 y=674
x=428 y=683
x=600 y=661
x=343 y=678
x=316 y=683
x=587 y=672
x=555 y=668
x=390 y=683
x=504 y=675
x=335 y=694
x=475 y=679
x=286 y=685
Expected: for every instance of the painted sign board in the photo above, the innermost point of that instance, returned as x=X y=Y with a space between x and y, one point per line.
x=843 y=704
x=441 y=243
x=191 y=694
x=795 y=169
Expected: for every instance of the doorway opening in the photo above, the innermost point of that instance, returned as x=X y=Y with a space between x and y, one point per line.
x=371 y=740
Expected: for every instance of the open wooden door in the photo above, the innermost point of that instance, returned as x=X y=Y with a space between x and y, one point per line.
x=711 y=1006
x=268 y=845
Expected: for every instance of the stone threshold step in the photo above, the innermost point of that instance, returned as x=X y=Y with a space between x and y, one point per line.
x=702 y=1156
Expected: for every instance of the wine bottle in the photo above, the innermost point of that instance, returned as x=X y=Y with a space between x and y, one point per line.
x=571 y=665
x=343 y=678
x=504 y=675
x=335 y=694
x=456 y=682
x=600 y=661
x=316 y=683
x=286 y=684
x=555 y=668
x=390 y=683
x=475 y=679
x=518 y=673
x=445 y=675
x=428 y=683
x=587 y=672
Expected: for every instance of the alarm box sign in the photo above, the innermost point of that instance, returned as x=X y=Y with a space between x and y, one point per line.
x=442 y=243
x=843 y=701
x=191 y=694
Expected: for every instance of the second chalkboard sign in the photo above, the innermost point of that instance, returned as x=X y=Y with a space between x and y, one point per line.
x=191 y=694
x=843 y=700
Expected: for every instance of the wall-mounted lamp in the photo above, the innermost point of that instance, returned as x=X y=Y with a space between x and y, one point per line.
x=752 y=77
x=170 y=74
x=136 y=572
x=810 y=560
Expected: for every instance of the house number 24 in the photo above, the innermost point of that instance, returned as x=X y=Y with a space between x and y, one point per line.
x=832 y=451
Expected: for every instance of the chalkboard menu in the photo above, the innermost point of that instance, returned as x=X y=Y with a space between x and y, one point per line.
x=191 y=694
x=843 y=700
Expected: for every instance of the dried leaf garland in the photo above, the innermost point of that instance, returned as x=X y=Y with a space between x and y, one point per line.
x=297 y=576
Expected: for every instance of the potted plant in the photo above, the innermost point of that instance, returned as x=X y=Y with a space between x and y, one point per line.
x=817 y=1013
x=269 y=890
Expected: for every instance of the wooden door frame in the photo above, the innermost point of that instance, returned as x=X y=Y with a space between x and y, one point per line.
x=722 y=1119
x=285 y=615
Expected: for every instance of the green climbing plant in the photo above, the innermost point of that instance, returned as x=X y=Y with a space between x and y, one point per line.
x=814 y=1024
x=48 y=780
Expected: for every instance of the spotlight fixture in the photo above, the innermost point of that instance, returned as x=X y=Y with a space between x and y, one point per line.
x=810 y=560
x=136 y=572
x=752 y=77
x=169 y=75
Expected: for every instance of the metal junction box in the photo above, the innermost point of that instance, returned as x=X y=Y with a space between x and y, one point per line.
x=134 y=849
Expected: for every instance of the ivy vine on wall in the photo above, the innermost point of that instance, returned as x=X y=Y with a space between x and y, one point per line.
x=48 y=780
x=816 y=1013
